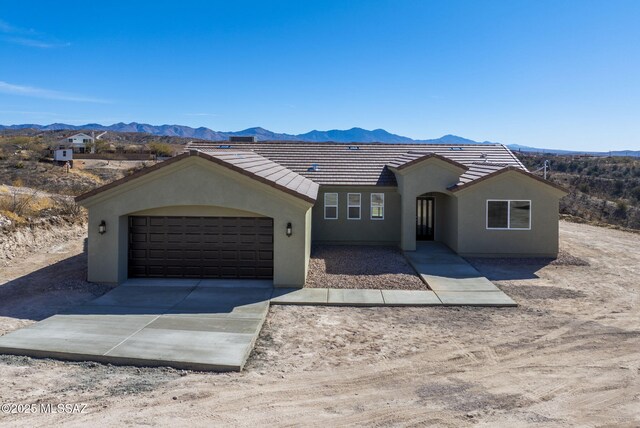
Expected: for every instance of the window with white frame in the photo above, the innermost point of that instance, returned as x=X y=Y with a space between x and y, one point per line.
x=377 y=206
x=330 y=206
x=353 y=206
x=508 y=214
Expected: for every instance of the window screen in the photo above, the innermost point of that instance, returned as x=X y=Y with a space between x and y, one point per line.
x=353 y=206
x=377 y=206
x=330 y=206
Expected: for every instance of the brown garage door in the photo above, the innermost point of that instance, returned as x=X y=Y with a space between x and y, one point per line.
x=200 y=247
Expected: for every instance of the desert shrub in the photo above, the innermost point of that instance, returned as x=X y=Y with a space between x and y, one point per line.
x=13 y=217
x=621 y=209
x=618 y=187
x=161 y=149
x=68 y=207
x=17 y=202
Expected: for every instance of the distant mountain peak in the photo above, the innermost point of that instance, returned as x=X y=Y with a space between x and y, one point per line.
x=352 y=135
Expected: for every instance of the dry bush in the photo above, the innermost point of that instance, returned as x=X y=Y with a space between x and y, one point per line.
x=21 y=201
x=15 y=219
x=67 y=207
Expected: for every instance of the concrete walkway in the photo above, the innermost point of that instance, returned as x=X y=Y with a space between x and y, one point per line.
x=213 y=324
x=452 y=279
x=198 y=325
x=353 y=297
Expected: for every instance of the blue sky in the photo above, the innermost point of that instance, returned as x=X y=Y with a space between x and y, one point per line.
x=560 y=74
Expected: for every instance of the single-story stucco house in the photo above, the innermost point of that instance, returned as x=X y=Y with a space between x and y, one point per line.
x=252 y=210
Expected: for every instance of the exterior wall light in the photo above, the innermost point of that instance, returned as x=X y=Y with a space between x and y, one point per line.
x=289 y=229
x=102 y=227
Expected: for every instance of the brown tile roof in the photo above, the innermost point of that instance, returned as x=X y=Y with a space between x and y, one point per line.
x=487 y=175
x=247 y=163
x=480 y=169
x=365 y=163
x=413 y=157
x=267 y=171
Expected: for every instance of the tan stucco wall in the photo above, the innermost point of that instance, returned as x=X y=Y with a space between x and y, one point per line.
x=449 y=232
x=475 y=240
x=365 y=230
x=196 y=186
x=431 y=175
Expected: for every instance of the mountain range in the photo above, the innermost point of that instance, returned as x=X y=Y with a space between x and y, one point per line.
x=353 y=135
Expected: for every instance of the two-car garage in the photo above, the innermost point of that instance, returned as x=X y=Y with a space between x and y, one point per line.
x=219 y=214
x=200 y=247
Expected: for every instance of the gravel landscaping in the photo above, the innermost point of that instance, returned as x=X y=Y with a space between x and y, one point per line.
x=360 y=266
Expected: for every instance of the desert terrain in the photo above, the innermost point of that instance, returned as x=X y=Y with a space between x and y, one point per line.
x=569 y=355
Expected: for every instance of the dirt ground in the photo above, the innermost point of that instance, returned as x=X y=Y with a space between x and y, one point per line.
x=569 y=355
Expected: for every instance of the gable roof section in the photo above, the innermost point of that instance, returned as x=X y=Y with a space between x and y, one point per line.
x=478 y=170
x=491 y=174
x=81 y=134
x=412 y=158
x=364 y=164
x=246 y=163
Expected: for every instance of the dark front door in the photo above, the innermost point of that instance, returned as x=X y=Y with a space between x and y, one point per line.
x=200 y=247
x=425 y=217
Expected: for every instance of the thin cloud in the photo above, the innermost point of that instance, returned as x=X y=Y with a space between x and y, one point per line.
x=28 y=37
x=6 y=28
x=30 y=91
x=33 y=43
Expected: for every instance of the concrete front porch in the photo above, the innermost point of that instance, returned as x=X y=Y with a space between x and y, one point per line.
x=452 y=279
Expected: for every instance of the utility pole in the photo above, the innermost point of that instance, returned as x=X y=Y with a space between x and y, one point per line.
x=546 y=167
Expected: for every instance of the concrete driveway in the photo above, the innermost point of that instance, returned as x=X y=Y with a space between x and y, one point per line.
x=190 y=324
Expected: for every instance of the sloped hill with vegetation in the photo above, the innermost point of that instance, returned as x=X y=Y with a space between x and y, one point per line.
x=602 y=189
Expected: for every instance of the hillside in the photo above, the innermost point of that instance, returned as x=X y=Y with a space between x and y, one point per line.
x=602 y=189
x=353 y=135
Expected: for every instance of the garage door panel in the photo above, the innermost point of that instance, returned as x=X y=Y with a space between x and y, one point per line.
x=201 y=247
x=210 y=254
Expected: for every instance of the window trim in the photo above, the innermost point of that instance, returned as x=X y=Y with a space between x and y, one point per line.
x=354 y=206
x=371 y=217
x=508 y=201
x=331 y=206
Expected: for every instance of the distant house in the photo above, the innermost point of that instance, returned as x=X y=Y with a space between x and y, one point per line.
x=63 y=155
x=79 y=143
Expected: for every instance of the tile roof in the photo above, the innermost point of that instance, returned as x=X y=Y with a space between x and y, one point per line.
x=267 y=171
x=480 y=169
x=413 y=157
x=366 y=163
x=245 y=162
x=486 y=174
